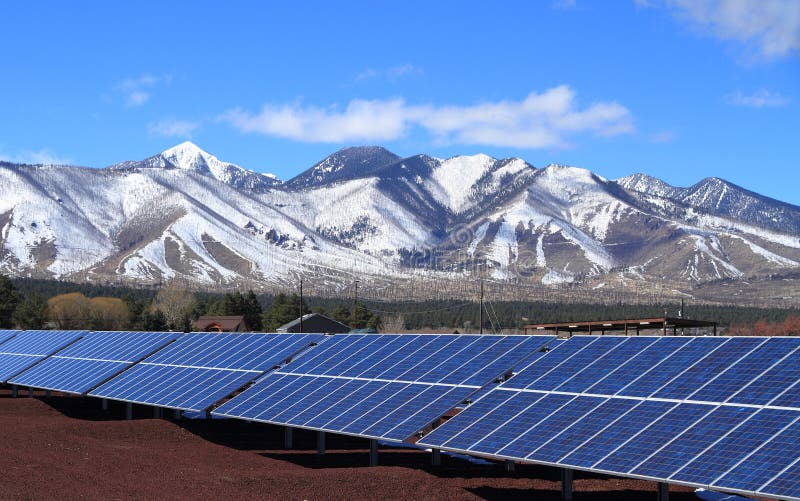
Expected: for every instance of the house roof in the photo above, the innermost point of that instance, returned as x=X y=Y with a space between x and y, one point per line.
x=313 y=316
x=225 y=323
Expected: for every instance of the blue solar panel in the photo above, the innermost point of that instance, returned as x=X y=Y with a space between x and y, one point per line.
x=671 y=366
x=30 y=347
x=771 y=383
x=768 y=461
x=605 y=364
x=749 y=369
x=92 y=360
x=693 y=440
x=572 y=366
x=541 y=366
x=382 y=386
x=198 y=370
x=735 y=447
x=585 y=429
x=591 y=409
x=649 y=356
x=708 y=368
x=5 y=335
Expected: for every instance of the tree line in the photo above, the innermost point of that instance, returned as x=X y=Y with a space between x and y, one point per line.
x=33 y=303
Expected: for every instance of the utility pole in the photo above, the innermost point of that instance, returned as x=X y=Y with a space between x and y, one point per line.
x=355 y=303
x=301 y=306
x=481 y=321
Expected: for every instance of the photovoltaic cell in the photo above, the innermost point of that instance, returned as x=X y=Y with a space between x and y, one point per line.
x=199 y=369
x=5 y=335
x=30 y=347
x=91 y=360
x=671 y=409
x=735 y=447
x=765 y=463
x=384 y=386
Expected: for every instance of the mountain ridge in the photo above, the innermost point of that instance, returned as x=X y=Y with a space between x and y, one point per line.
x=364 y=211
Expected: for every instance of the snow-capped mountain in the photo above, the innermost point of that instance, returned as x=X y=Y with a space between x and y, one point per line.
x=188 y=156
x=365 y=212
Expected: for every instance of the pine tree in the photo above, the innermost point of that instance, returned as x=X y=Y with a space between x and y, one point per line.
x=283 y=310
x=31 y=313
x=8 y=302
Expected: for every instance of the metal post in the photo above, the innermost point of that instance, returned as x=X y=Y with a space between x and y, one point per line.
x=436 y=457
x=30 y=392
x=321 y=442
x=481 y=316
x=373 y=452
x=156 y=412
x=509 y=465
x=663 y=491
x=48 y=393
x=103 y=404
x=287 y=437
x=301 y=306
x=128 y=410
x=566 y=484
x=176 y=414
x=14 y=391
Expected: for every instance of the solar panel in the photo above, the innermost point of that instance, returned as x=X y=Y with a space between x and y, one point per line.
x=719 y=412
x=5 y=335
x=29 y=347
x=199 y=369
x=386 y=386
x=92 y=360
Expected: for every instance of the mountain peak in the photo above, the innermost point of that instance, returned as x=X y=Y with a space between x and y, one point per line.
x=348 y=163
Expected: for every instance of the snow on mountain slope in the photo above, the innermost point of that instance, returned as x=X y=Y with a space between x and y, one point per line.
x=184 y=214
x=345 y=164
x=188 y=156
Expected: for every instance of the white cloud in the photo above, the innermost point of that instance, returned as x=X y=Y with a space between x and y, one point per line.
x=137 y=91
x=173 y=128
x=762 y=98
x=771 y=27
x=392 y=73
x=541 y=120
x=43 y=156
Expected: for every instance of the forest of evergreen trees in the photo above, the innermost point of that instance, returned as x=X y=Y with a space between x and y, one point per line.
x=30 y=303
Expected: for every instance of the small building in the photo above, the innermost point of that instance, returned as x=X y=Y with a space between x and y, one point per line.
x=215 y=323
x=629 y=327
x=315 y=322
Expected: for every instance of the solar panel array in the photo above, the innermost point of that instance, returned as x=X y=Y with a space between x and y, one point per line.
x=93 y=359
x=380 y=386
x=5 y=335
x=27 y=348
x=199 y=369
x=716 y=412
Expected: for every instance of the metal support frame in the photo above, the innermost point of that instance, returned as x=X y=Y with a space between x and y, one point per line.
x=48 y=393
x=103 y=404
x=30 y=392
x=663 y=491
x=156 y=412
x=566 y=484
x=320 y=442
x=373 y=452
x=436 y=457
x=176 y=414
x=287 y=437
x=128 y=410
x=509 y=465
x=14 y=391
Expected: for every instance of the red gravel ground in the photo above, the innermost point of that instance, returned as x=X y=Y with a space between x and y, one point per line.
x=67 y=448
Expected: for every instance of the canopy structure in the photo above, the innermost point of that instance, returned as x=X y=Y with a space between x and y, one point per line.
x=632 y=326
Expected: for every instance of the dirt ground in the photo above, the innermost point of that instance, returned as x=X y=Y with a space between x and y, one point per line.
x=65 y=447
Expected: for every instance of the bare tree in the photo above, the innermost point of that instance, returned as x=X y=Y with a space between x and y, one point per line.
x=176 y=304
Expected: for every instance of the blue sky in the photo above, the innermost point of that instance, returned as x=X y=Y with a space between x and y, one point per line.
x=677 y=89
